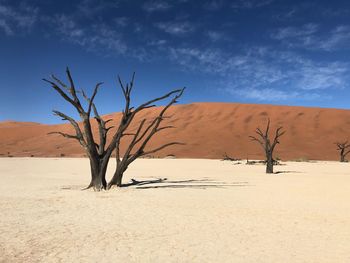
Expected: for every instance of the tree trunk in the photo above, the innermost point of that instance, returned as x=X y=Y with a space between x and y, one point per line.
x=269 y=163
x=98 y=173
x=118 y=176
x=342 y=159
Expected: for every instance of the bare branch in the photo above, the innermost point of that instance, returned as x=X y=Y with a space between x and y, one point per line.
x=91 y=99
x=60 y=82
x=122 y=86
x=256 y=139
x=267 y=128
x=266 y=144
x=162 y=147
x=61 y=92
x=166 y=127
x=260 y=133
x=72 y=89
x=69 y=136
x=135 y=139
x=78 y=131
x=148 y=103
x=277 y=135
x=132 y=83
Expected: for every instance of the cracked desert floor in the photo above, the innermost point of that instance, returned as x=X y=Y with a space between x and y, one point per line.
x=204 y=211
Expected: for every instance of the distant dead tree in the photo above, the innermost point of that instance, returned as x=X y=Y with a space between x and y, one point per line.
x=268 y=145
x=100 y=152
x=343 y=147
x=226 y=157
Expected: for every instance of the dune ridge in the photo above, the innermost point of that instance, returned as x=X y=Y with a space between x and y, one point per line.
x=207 y=129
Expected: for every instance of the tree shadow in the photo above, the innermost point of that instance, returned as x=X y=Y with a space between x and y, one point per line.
x=286 y=172
x=165 y=183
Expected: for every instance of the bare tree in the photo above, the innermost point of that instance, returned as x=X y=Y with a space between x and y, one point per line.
x=143 y=134
x=342 y=148
x=268 y=145
x=226 y=157
x=100 y=152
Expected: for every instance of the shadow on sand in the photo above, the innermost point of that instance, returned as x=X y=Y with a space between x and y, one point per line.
x=165 y=183
x=286 y=172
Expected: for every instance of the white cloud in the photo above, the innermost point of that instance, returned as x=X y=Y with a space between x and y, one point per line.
x=288 y=15
x=275 y=94
x=250 y=4
x=91 y=7
x=262 y=72
x=95 y=38
x=265 y=94
x=294 y=32
x=157 y=43
x=323 y=76
x=156 y=5
x=176 y=28
x=121 y=21
x=17 y=20
x=215 y=35
x=309 y=36
x=213 y=5
x=338 y=38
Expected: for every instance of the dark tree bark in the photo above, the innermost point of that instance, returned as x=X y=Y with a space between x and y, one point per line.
x=83 y=132
x=343 y=147
x=268 y=146
x=100 y=153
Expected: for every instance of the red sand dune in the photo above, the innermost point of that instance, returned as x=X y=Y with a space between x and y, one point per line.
x=208 y=129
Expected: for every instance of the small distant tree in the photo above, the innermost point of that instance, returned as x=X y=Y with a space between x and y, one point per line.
x=99 y=151
x=267 y=144
x=344 y=150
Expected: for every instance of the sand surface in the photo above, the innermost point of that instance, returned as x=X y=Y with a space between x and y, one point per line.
x=206 y=211
x=208 y=131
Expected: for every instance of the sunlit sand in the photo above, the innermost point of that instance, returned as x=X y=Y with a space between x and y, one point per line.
x=204 y=211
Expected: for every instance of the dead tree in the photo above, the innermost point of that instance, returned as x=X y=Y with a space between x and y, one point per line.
x=342 y=148
x=226 y=157
x=268 y=145
x=98 y=152
x=144 y=133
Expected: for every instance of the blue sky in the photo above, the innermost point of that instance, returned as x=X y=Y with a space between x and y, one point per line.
x=247 y=51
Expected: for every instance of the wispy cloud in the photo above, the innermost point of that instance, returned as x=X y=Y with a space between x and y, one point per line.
x=215 y=35
x=265 y=94
x=94 y=38
x=273 y=95
x=176 y=28
x=339 y=37
x=329 y=76
x=249 y=4
x=17 y=20
x=287 y=15
x=302 y=33
x=156 y=5
x=157 y=43
x=265 y=73
x=121 y=21
x=92 y=7
x=213 y=5
x=309 y=37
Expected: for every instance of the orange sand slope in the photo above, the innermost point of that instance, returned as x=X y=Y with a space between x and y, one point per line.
x=208 y=131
